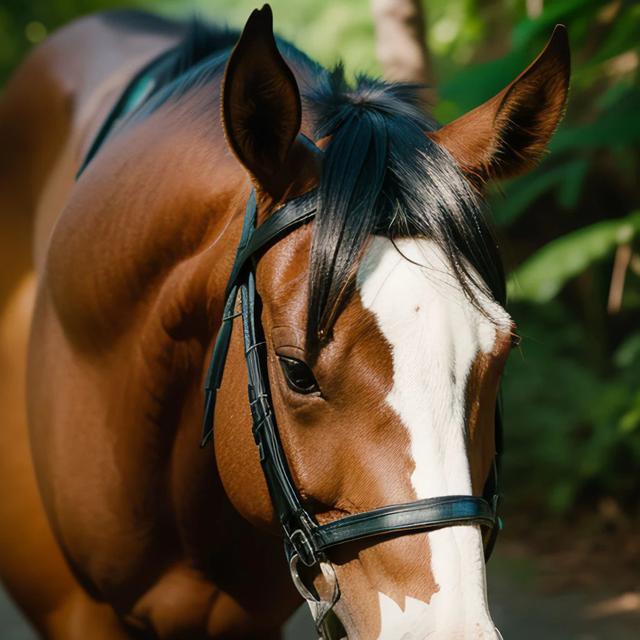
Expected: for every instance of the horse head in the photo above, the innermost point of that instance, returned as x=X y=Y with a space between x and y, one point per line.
x=384 y=321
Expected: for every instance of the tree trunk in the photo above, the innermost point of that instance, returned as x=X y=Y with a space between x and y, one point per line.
x=400 y=43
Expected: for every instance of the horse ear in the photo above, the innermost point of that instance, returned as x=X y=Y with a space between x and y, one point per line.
x=261 y=104
x=508 y=134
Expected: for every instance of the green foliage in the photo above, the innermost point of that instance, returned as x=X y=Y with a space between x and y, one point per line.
x=602 y=122
x=573 y=431
x=327 y=31
x=25 y=23
x=544 y=274
x=572 y=395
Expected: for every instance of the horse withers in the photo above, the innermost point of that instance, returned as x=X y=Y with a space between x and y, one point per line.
x=368 y=321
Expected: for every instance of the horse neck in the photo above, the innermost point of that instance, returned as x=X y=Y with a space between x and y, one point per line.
x=146 y=241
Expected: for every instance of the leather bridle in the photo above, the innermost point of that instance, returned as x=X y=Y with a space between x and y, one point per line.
x=305 y=540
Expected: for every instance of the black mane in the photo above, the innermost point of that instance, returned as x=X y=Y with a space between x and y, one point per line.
x=382 y=174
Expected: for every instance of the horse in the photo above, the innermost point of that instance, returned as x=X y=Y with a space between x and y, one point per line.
x=373 y=327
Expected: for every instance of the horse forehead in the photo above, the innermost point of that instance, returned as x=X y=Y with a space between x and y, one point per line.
x=410 y=287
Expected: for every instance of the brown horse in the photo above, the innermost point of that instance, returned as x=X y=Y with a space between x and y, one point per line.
x=384 y=323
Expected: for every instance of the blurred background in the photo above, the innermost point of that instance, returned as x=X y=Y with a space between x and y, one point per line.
x=568 y=565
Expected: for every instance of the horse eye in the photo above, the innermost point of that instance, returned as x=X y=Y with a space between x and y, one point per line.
x=298 y=375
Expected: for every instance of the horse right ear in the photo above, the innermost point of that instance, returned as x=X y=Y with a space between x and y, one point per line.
x=508 y=134
x=261 y=105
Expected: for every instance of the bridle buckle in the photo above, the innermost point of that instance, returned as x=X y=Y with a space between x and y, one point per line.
x=303 y=548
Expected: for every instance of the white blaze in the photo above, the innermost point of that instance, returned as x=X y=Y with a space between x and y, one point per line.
x=435 y=334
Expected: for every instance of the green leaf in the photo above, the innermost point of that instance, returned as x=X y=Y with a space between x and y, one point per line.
x=544 y=274
x=630 y=421
x=527 y=30
x=616 y=127
x=570 y=189
x=628 y=352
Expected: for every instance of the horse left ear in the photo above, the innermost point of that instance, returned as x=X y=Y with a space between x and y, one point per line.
x=261 y=105
x=508 y=134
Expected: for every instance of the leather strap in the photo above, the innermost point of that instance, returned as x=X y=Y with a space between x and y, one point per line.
x=294 y=213
x=253 y=241
x=274 y=464
x=431 y=513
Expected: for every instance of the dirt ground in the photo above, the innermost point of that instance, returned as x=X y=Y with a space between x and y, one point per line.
x=530 y=600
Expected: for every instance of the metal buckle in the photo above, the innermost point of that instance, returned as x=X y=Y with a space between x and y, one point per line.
x=303 y=548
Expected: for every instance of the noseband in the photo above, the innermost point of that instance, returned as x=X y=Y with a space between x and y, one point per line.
x=305 y=540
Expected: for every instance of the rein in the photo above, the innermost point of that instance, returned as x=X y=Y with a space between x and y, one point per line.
x=140 y=88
